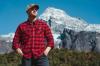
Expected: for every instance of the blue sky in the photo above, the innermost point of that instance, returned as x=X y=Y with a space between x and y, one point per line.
x=12 y=12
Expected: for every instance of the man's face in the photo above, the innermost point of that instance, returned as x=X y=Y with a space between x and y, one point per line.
x=32 y=13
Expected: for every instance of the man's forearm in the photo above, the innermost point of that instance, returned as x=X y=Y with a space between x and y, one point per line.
x=47 y=50
x=19 y=51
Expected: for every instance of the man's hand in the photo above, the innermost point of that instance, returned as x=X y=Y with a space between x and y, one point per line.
x=47 y=51
x=19 y=51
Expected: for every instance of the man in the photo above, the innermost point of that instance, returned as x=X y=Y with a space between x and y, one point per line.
x=33 y=39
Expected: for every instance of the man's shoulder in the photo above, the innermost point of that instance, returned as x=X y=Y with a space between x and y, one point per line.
x=41 y=21
x=23 y=23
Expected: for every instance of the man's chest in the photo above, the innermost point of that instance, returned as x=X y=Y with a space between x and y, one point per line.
x=29 y=30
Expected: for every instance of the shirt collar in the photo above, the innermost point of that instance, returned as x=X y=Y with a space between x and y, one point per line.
x=32 y=22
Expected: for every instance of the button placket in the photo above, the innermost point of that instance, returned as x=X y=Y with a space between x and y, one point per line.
x=33 y=34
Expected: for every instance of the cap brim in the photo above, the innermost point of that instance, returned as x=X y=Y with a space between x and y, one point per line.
x=34 y=6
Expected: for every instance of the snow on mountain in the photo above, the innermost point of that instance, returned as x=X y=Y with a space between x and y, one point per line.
x=6 y=43
x=93 y=27
x=58 y=17
x=57 y=14
x=59 y=20
x=7 y=37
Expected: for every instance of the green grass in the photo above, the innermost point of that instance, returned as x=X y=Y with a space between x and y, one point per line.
x=57 y=57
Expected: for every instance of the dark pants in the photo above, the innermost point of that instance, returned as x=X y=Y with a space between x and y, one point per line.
x=42 y=61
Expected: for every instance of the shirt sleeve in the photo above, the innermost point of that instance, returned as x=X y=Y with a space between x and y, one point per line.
x=16 y=39
x=49 y=36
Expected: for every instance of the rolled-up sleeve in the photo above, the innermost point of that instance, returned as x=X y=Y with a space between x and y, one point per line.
x=16 y=39
x=49 y=36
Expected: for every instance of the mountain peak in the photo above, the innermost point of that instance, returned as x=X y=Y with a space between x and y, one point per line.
x=54 y=13
x=60 y=17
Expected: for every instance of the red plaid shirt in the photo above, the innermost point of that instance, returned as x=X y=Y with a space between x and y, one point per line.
x=33 y=38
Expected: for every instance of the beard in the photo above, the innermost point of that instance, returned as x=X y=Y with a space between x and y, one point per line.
x=32 y=17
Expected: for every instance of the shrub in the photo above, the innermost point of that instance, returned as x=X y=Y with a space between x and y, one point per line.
x=57 y=57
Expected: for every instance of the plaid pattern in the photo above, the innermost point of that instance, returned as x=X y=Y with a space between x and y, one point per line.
x=33 y=38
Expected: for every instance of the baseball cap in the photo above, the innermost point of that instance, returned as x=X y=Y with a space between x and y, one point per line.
x=32 y=6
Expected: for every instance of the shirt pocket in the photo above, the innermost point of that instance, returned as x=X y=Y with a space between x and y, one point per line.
x=27 y=32
x=39 y=30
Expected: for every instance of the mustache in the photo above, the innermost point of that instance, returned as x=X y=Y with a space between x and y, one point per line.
x=32 y=15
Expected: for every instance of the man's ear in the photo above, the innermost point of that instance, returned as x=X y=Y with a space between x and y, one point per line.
x=28 y=11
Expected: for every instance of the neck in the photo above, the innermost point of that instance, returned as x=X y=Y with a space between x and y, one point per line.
x=32 y=20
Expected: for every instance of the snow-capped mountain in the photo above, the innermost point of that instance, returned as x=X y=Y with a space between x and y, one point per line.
x=6 y=43
x=58 y=17
x=73 y=29
x=7 y=37
x=93 y=27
